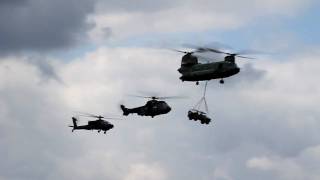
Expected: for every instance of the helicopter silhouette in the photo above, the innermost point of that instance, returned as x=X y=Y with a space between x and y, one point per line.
x=152 y=108
x=100 y=124
x=192 y=70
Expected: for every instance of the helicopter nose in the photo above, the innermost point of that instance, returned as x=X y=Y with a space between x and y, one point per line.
x=111 y=126
x=168 y=108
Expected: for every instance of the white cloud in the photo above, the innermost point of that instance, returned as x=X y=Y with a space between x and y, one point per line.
x=250 y=117
x=303 y=166
x=221 y=174
x=187 y=16
x=142 y=171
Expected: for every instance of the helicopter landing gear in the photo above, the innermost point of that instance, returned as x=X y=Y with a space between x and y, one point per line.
x=197 y=83
x=221 y=81
x=99 y=131
x=105 y=132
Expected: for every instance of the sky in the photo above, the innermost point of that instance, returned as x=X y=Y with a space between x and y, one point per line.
x=64 y=56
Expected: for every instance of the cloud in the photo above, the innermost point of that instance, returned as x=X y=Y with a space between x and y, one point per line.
x=256 y=124
x=303 y=166
x=42 y=25
x=146 y=171
x=128 y=20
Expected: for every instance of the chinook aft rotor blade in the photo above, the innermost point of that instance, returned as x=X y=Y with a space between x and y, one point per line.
x=185 y=52
x=227 y=53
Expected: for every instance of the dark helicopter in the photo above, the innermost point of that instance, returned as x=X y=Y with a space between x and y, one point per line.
x=152 y=108
x=100 y=124
x=192 y=70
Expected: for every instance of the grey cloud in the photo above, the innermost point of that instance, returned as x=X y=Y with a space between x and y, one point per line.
x=12 y=2
x=38 y=145
x=248 y=74
x=46 y=69
x=42 y=25
x=136 y=6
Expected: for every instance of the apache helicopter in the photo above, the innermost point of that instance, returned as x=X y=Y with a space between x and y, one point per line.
x=100 y=124
x=192 y=70
x=152 y=108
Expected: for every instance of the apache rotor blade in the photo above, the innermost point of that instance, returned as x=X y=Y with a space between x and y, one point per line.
x=93 y=116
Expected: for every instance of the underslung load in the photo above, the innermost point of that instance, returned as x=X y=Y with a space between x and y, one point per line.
x=196 y=114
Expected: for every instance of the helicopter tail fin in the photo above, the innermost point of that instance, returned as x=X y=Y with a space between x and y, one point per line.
x=125 y=110
x=74 y=120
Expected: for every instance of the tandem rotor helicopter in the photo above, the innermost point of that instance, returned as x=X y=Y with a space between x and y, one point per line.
x=101 y=124
x=192 y=70
x=152 y=108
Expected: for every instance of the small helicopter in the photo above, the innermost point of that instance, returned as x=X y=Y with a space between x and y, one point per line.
x=152 y=108
x=100 y=124
x=192 y=70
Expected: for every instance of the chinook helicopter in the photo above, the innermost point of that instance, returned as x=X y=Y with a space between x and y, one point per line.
x=152 y=108
x=100 y=124
x=192 y=70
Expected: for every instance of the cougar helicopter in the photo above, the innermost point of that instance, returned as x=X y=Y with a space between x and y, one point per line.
x=192 y=70
x=152 y=108
x=100 y=124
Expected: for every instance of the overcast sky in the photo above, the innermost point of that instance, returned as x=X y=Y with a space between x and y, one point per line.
x=59 y=57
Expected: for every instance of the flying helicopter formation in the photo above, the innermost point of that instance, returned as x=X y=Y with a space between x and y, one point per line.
x=191 y=69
